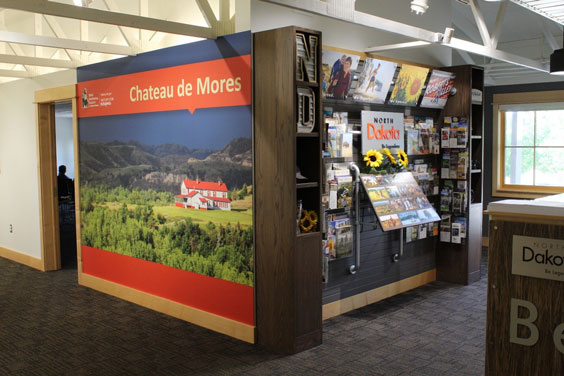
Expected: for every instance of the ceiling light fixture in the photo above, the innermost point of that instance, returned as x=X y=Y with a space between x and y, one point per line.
x=419 y=6
x=557 y=62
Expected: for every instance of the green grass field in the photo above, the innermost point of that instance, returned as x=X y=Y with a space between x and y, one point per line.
x=173 y=213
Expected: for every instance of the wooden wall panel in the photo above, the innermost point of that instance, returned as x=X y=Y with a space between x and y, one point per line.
x=502 y=356
x=275 y=192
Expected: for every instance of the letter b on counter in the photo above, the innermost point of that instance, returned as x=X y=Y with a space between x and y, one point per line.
x=515 y=321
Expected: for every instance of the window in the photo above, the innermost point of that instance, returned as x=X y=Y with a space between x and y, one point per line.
x=530 y=146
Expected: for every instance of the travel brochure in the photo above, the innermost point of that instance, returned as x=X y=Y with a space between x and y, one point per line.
x=338 y=70
x=421 y=135
x=374 y=80
x=345 y=75
x=339 y=136
x=438 y=89
x=398 y=201
x=408 y=85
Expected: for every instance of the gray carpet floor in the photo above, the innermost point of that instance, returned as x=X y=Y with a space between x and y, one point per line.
x=51 y=326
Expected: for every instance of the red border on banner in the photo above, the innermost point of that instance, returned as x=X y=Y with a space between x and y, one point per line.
x=224 y=298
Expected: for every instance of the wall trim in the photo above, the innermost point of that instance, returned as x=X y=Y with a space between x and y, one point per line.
x=201 y=318
x=61 y=93
x=22 y=258
x=368 y=297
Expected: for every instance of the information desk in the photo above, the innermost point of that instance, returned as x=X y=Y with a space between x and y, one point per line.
x=525 y=307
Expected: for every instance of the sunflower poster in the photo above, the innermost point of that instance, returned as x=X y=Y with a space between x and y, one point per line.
x=409 y=85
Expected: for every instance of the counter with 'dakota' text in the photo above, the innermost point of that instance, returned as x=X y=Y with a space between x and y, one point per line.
x=525 y=314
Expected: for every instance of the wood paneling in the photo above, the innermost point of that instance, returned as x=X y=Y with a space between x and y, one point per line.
x=372 y=296
x=503 y=357
x=47 y=177
x=61 y=93
x=22 y=258
x=207 y=320
x=287 y=266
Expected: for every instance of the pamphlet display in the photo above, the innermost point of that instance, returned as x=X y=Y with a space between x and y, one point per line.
x=398 y=201
x=339 y=137
x=454 y=172
x=409 y=85
x=374 y=80
x=438 y=89
x=422 y=136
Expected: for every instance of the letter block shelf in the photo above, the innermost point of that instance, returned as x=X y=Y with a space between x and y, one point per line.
x=287 y=118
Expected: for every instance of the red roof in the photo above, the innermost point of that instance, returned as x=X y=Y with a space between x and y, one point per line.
x=207 y=185
x=192 y=194
x=203 y=199
x=221 y=199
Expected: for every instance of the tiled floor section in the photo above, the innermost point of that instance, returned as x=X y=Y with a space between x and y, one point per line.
x=51 y=326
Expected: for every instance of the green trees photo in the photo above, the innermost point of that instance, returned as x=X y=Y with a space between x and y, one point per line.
x=123 y=221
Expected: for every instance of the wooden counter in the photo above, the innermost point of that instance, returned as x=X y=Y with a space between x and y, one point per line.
x=525 y=304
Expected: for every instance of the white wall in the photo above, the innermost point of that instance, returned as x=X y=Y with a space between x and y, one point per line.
x=19 y=194
x=342 y=34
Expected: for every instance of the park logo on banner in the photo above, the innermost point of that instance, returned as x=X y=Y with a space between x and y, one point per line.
x=382 y=130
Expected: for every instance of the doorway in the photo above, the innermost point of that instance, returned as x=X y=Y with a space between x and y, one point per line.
x=58 y=215
x=64 y=141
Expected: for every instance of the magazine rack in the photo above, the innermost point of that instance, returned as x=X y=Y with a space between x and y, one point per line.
x=460 y=263
x=287 y=113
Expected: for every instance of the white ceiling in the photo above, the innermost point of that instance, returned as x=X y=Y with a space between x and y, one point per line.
x=526 y=39
x=29 y=30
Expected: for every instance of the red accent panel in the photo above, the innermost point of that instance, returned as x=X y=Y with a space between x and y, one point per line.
x=214 y=295
x=179 y=204
x=209 y=84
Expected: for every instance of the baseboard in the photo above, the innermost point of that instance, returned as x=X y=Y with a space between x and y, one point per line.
x=485 y=241
x=22 y=258
x=201 y=318
x=368 y=297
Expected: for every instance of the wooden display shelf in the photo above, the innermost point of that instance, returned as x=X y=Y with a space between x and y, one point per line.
x=312 y=184
x=303 y=134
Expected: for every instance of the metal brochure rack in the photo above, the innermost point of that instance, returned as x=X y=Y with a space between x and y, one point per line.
x=356 y=192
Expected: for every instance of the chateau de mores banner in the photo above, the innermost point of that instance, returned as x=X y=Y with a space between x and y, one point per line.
x=217 y=83
x=165 y=145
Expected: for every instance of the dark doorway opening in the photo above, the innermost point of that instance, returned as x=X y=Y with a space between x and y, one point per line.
x=65 y=183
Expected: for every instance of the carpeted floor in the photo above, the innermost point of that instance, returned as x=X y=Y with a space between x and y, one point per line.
x=51 y=326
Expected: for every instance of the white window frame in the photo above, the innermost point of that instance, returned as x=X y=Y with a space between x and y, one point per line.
x=518 y=101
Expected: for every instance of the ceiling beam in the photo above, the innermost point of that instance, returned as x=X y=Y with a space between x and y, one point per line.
x=417 y=43
x=71 y=44
x=111 y=5
x=37 y=61
x=107 y=17
x=14 y=73
x=58 y=31
x=548 y=35
x=498 y=22
x=479 y=18
x=208 y=13
x=379 y=23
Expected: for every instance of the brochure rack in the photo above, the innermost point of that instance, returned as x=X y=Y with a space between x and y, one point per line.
x=460 y=262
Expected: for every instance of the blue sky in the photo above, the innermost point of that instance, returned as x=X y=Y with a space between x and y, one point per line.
x=210 y=128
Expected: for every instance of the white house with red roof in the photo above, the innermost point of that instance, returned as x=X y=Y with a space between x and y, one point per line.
x=203 y=195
